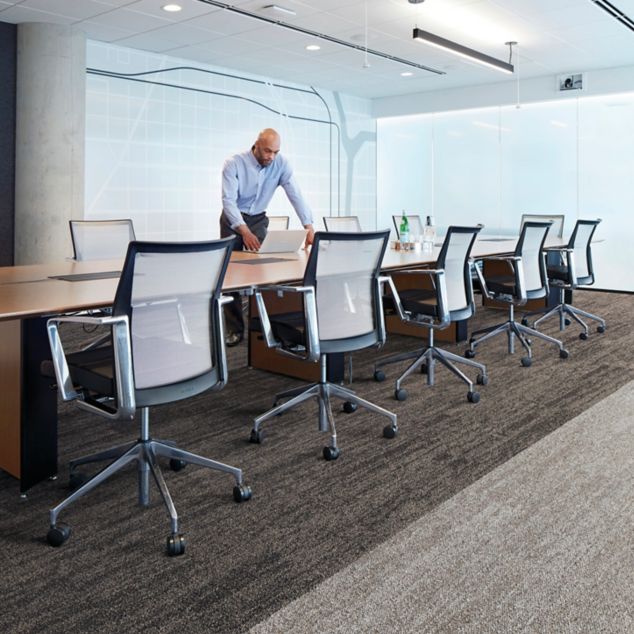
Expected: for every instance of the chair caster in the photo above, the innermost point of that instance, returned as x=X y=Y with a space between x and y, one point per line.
x=526 y=362
x=524 y=321
x=379 y=376
x=563 y=353
x=601 y=329
x=58 y=535
x=389 y=431
x=567 y=322
x=77 y=480
x=175 y=545
x=482 y=379
x=177 y=465
x=349 y=407
x=242 y=493
x=331 y=453
x=257 y=436
x=400 y=394
x=473 y=397
x=583 y=336
x=469 y=354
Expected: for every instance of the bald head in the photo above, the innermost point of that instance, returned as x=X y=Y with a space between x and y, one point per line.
x=266 y=147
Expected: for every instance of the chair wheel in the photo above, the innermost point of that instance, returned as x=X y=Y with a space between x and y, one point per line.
x=379 y=376
x=331 y=453
x=524 y=321
x=601 y=329
x=242 y=493
x=175 y=545
x=567 y=322
x=583 y=336
x=469 y=354
x=257 y=436
x=389 y=431
x=526 y=362
x=77 y=480
x=58 y=535
x=177 y=465
x=482 y=379
x=473 y=397
x=423 y=368
x=400 y=394
x=349 y=407
x=563 y=353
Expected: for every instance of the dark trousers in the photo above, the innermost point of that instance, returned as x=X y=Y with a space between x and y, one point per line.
x=258 y=225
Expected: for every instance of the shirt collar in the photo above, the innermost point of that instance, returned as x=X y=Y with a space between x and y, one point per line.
x=254 y=161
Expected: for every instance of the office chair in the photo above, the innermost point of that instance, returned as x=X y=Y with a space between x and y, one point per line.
x=556 y=220
x=167 y=344
x=526 y=279
x=450 y=300
x=415 y=225
x=101 y=239
x=342 y=223
x=574 y=269
x=278 y=223
x=342 y=312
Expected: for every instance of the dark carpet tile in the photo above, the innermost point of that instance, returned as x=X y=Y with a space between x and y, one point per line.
x=308 y=518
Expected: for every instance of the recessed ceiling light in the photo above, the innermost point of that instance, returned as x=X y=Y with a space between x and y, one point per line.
x=313 y=47
x=171 y=8
x=279 y=9
x=406 y=73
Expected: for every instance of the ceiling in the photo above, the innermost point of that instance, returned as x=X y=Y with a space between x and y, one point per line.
x=555 y=36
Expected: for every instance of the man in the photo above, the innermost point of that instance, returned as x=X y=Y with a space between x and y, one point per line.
x=249 y=181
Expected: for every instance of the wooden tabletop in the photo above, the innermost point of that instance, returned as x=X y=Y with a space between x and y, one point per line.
x=28 y=291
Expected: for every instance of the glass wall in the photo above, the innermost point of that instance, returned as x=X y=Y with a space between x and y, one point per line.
x=492 y=165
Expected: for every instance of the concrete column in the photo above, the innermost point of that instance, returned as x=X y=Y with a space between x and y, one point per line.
x=50 y=129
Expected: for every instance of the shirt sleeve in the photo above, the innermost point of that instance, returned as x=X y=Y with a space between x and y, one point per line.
x=287 y=181
x=230 y=194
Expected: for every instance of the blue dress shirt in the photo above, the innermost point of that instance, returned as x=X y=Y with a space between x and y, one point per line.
x=247 y=187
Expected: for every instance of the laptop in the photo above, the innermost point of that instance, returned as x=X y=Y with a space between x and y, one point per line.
x=288 y=241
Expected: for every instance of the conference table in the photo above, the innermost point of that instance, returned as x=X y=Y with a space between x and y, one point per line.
x=30 y=294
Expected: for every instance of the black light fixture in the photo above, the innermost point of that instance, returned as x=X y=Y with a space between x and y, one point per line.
x=462 y=51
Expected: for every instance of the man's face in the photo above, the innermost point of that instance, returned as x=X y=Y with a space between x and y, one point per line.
x=266 y=149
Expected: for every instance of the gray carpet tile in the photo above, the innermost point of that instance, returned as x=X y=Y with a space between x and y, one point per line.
x=308 y=519
x=543 y=543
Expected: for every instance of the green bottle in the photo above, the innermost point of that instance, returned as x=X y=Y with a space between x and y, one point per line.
x=404 y=230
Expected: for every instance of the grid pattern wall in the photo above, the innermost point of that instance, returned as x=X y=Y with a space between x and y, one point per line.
x=155 y=153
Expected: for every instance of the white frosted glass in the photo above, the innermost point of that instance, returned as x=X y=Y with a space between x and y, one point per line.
x=466 y=167
x=404 y=168
x=606 y=185
x=539 y=167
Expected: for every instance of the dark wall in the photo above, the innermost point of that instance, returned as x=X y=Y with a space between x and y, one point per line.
x=8 y=38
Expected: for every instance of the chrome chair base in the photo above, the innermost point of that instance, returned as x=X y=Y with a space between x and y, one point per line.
x=426 y=358
x=145 y=452
x=323 y=392
x=513 y=330
x=567 y=310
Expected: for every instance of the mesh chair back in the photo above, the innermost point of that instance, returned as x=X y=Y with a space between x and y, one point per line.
x=530 y=248
x=168 y=292
x=454 y=259
x=348 y=224
x=101 y=239
x=580 y=243
x=344 y=269
x=278 y=223
x=415 y=226
x=557 y=220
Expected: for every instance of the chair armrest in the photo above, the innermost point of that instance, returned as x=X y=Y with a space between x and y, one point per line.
x=310 y=320
x=126 y=404
x=440 y=287
x=515 y=264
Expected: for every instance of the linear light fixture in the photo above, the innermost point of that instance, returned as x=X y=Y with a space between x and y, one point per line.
x=321 y=36
x=462 y=51
x=615 y=12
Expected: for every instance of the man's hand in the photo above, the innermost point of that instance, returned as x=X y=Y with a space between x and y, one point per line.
x=249 y=239
x=310 y=234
